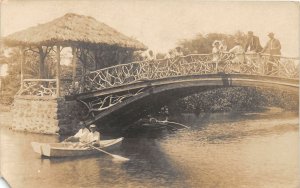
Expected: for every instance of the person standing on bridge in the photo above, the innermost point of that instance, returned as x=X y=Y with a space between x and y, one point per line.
x=238 y=51
x=216 y=53
x=273 y=48
x=178 y=51
x=223 y=46
x=150 y=56
x=253 y=45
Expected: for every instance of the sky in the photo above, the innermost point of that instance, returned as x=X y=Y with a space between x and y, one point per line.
x=161 y=24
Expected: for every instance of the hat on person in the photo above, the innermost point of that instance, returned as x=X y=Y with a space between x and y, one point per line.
x=238 y=41
x=216 y=42
x=250 y=32
x=93 y=126
x=271 y=34
x=82 y=123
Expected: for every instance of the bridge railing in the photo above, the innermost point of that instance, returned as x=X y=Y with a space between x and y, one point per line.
x=193 y=64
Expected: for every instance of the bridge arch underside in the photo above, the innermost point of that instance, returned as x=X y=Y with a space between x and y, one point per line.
x=159 y=92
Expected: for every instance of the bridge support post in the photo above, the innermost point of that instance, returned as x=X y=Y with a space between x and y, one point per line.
x=46 y=115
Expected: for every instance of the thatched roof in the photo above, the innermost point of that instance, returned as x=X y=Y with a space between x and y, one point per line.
x=71 y=30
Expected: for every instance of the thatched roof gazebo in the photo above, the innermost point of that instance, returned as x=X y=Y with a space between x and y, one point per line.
x=72 y=30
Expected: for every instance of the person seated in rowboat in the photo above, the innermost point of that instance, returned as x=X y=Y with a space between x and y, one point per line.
x=93 y=137
x=147 y=120
x=80 y=135
x=164 y=112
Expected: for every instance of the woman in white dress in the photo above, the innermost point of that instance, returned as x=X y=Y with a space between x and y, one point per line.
x=238 y=50
x=216 y=53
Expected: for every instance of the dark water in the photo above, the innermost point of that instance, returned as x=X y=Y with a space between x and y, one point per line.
x=220 y=150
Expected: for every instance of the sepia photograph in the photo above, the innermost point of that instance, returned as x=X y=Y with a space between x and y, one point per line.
x=149 y=93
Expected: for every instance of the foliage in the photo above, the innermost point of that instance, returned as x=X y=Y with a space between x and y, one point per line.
x=109 y=56
x=11 y=83
x=235 y=99
x=202 y=44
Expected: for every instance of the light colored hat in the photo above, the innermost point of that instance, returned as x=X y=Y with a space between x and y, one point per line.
x=271 y=34
x=250 y=32
x=82 y=123
x=216 y=42
x=238 y=41
x=93 y=126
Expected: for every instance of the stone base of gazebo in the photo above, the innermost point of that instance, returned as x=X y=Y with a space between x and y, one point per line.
x=48 y=115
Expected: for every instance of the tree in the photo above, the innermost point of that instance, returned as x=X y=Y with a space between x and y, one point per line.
x=11 y=83
x=202 y=44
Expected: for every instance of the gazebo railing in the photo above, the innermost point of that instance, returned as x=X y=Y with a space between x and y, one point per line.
x=38 y=87
x=193 y=64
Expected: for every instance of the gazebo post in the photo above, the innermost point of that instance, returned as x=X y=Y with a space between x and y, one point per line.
x=58 y=71
x=22 y=63
x=74 y=65
x=42 y=62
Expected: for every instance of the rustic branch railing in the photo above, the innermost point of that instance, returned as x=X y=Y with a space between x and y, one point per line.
x=193 y=64
x=100 y=104
x=38 y=87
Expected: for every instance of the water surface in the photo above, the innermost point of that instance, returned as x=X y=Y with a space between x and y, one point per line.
x=220 y=150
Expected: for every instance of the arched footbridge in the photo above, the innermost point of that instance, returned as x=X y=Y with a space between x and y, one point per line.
x=123 y=92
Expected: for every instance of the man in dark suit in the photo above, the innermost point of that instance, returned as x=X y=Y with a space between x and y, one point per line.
x=253 y=44
x=272 y=48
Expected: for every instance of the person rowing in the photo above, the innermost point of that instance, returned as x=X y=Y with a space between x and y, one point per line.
x=93 y=137
x=81 y=135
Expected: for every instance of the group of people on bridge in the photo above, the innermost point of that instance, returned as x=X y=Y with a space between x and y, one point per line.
x=252 y=46
x=85 y=137
x=150 y=55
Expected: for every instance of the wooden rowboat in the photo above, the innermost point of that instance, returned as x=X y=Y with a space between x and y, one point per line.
x=68 y=149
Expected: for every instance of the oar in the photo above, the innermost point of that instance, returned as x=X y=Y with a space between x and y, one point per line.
x=116 y=157
x=170 y=122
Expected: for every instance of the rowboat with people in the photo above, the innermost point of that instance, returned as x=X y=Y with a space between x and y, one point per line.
x=67 y=149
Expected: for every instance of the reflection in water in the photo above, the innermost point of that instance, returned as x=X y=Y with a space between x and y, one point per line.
x=220 y=150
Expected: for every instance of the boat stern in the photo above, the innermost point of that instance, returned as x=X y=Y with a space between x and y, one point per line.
x=37 y=147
